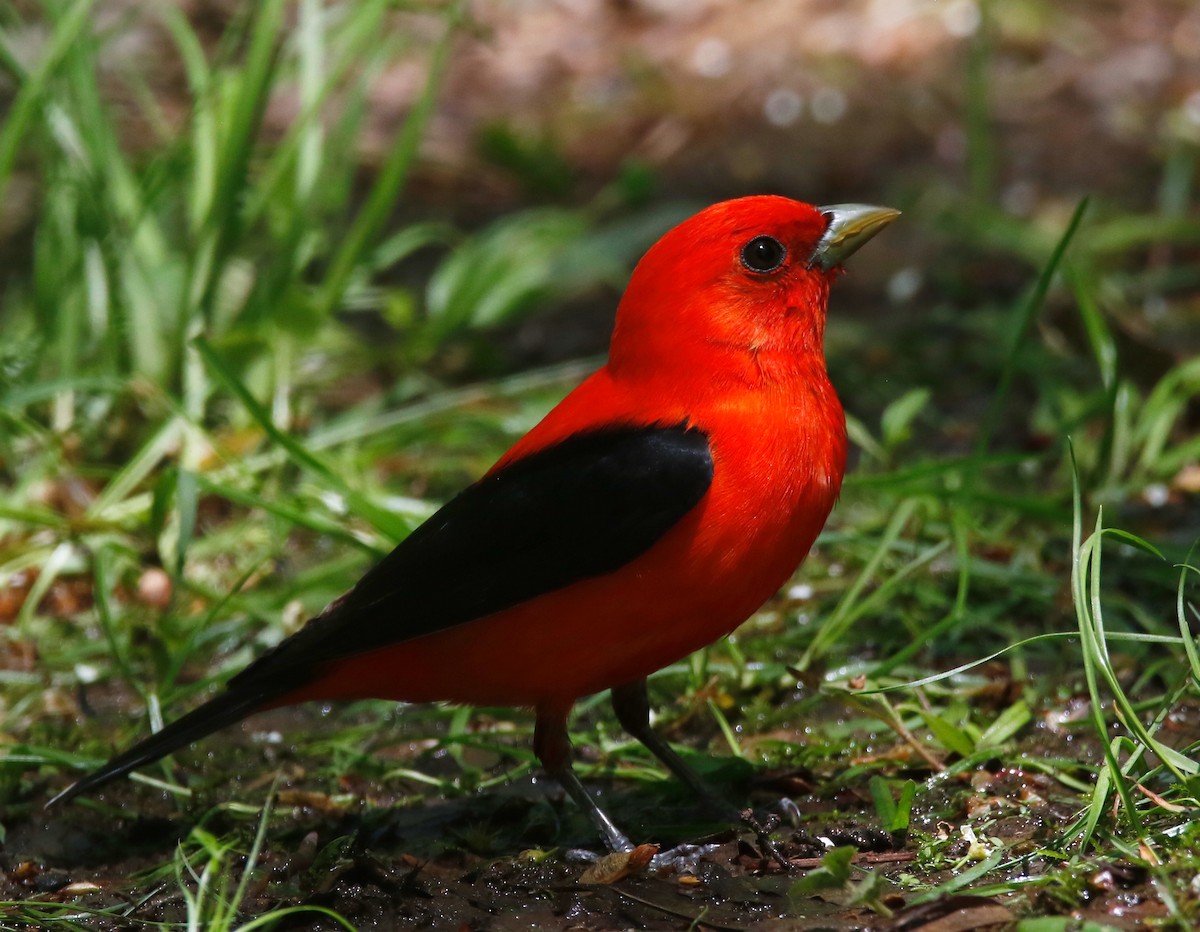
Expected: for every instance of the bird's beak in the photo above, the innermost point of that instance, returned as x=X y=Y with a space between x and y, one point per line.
x=850 y=226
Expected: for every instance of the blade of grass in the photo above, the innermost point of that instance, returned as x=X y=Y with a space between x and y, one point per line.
x=240 y=129
x=727 y=731
x=981 y=146
x=383 y=520
x=104 y=578
x=149 y=457
x=853 y=605
x=1168 y=400
x=961 y=879
x=1022 y=320
x=296 y=515
x=1024 y=642
x=1081 y=554
x=1185 y=629
x=34 y=86
x=958 y=534
x=1179 y=764
x=59 y=559
x=392 y=177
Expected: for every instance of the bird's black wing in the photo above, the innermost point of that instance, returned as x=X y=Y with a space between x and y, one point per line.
x=580 y=508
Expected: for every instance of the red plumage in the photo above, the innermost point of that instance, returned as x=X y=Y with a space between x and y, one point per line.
x=652 y=511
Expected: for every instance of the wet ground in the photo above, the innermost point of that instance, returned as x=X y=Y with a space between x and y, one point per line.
x=519 y=856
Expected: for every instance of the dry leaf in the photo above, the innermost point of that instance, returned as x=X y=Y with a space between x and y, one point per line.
x=619 y=865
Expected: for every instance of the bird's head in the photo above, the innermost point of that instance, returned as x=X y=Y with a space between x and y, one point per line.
x=748 y=277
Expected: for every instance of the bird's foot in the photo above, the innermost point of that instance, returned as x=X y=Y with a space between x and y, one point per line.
x=682 y=859
x=762 y=834
x=786 y=807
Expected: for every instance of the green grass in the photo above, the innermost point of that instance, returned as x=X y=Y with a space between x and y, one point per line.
x=178 y=338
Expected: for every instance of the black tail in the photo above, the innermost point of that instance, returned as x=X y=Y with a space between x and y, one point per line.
x=225 y=709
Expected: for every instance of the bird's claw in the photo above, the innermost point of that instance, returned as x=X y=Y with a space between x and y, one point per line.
x=786 y=807
x=762 y=834
x=682 y=859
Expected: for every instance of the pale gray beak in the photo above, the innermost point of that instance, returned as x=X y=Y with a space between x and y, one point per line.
x=850 y=226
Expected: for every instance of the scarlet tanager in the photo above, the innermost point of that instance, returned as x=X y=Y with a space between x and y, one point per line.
x=652 y=511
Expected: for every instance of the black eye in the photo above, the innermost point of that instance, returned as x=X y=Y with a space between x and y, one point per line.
x=763 y=254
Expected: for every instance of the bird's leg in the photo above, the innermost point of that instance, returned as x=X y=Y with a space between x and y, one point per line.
x=553 y=749
x=631 y=703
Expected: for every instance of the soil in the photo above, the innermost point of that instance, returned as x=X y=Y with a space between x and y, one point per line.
x=520 y=855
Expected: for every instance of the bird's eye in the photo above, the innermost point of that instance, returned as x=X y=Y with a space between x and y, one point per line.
x=763 y=254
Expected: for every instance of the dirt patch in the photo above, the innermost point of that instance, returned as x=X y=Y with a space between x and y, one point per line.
x=515 y=856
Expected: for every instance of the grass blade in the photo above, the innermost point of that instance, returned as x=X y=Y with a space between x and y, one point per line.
x=33 y=88
x=396 y=528
x=392 y=176
x=1022 y=320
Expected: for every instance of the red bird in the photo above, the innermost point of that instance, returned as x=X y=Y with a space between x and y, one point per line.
x=651 y=512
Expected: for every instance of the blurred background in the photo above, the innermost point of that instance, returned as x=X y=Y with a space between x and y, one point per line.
x=552 y=141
